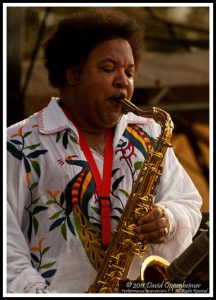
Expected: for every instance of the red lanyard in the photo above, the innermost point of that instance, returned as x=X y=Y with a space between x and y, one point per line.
x=102 y=185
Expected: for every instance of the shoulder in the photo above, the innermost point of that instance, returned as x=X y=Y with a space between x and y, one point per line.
x=24 y=127
x=147 y=124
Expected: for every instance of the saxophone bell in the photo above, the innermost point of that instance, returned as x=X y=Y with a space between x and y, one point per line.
x=154 y=268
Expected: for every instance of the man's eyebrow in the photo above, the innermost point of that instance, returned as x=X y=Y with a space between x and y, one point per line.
x=115 y=62
x=131 y=66
x=105 y=60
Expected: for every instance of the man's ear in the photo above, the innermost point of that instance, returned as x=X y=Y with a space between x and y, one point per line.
x=71 y=76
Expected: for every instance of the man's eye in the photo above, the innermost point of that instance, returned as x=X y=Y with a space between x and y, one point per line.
x=108 y=70
x=130 y=75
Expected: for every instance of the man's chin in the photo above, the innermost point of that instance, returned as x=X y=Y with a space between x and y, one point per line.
x=113 y=120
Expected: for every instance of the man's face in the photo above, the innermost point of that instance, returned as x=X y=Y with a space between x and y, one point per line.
x=109 y=70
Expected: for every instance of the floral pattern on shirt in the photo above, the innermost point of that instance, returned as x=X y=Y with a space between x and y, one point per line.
x=23 y=151
x=53 y=211
x=78 y=191
x=37 y=253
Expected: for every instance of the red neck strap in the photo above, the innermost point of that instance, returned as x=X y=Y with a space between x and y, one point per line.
x=102 y=185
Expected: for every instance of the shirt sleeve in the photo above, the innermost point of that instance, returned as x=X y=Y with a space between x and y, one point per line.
x=21 y=276
x=182 y=201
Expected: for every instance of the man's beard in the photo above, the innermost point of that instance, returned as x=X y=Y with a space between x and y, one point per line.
x=110 y=119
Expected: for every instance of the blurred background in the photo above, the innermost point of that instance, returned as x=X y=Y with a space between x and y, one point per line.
x=174 y=74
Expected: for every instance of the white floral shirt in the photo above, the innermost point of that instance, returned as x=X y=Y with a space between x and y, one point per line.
x=53 y=219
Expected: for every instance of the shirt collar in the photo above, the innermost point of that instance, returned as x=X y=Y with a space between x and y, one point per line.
x=52 y=119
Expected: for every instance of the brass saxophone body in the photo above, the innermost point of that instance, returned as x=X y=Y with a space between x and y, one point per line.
x=123 y=246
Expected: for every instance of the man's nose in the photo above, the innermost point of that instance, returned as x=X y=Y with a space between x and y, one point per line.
x=121 y=81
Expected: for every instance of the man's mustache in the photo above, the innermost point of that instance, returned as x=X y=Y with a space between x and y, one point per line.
x=117 y=96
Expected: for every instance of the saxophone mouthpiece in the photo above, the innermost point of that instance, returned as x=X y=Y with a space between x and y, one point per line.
x=126 y=105
x=119 y=97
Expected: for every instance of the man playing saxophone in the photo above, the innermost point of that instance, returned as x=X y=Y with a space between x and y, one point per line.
x=72 y=166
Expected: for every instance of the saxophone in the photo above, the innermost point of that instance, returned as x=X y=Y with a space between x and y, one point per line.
x=123 y=246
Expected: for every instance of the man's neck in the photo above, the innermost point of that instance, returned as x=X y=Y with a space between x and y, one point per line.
x=84 y=126
x=95 y=141
x=95 y=137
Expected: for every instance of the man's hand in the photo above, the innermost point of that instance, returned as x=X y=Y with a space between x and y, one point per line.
x=154 y=226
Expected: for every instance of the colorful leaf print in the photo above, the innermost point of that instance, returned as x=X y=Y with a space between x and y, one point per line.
x=114 y=171
x=27 y=134
x=70 y=225
x=16 y=142
x=124 y=193
x=48 y=274
x=115 y=185
x=38 y=209
x=27 y=152
x=138 y=165
x=38 y=259
x=32 y=146
x=36 y=153
x=65 y=138
x=57 y=223
x=45 y=250
x=58 y=136
x=27 y=165
x=20 y=154
x=62 y=214
x=36 y=167
x=35 y=224
x=35 y=258
x=14 y=151
x=117 y=182
x=64 y=231
x=48 y=265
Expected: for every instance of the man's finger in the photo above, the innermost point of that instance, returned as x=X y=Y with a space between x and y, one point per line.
x=155 y=213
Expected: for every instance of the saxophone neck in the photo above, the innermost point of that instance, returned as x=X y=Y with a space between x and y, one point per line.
x=160 y=116
x=128 y=106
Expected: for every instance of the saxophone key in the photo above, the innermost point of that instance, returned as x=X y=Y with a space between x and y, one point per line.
x=127 y=243
x=139 y=249
x=130 y=231
x=156 y=154
x=117 y=257
x=118 y=267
